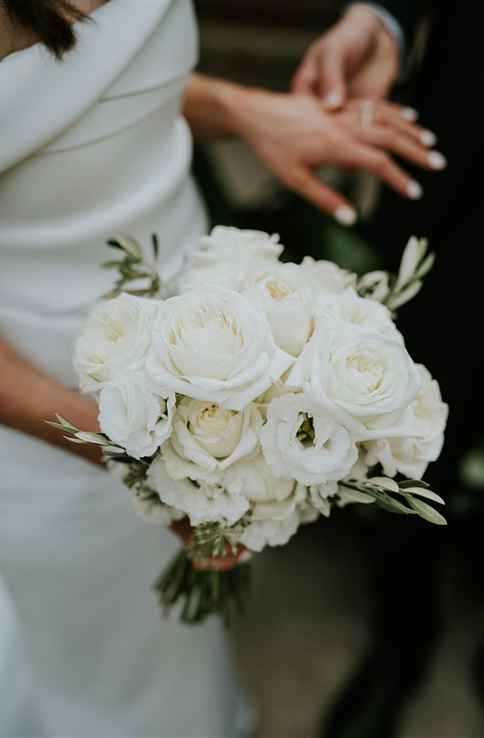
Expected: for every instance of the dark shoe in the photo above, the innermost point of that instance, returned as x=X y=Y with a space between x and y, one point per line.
x=372 y=703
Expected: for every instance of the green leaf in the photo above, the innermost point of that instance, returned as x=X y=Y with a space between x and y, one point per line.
x=426 y=493
x=385 y=483
x=398 y=299
x=425 y=266
x=392 y=505
x=427 y=512
x=156 y=246
x=414 y=483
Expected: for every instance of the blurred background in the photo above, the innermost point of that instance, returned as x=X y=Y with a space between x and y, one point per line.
x=308 y=624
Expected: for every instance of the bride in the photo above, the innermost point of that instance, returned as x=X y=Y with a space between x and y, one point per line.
x=93 y=144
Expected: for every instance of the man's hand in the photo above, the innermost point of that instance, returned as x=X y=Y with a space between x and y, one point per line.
x=358 y=57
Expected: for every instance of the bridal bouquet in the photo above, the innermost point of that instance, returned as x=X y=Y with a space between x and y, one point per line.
x=259 y=397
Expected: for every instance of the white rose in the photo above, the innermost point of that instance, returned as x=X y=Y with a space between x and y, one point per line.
x=305 y=443
x=359 y=313
x=227 y=255
x=421 y=434
x=325 y=276
x=133 y=417
x=115 y=338
x=207 y=439
x=283 y=293
x=214 y=345
x=358 y=377
x=202 y=502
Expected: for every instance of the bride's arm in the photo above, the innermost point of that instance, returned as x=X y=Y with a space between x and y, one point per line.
x=28 y=398
x=293 y=135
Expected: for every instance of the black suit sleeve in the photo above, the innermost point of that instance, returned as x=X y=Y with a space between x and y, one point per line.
x=407 y=12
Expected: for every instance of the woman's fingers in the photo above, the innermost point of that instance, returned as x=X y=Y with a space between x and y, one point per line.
x=379 y=163
x=404 y=147
x=306 y=183
x=395 y=117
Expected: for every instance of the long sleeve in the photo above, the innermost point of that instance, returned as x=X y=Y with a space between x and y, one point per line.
x=406 y=12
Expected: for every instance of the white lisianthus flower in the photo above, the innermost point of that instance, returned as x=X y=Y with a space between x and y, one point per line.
x=359 y=313
x=261 y=533
x=207 y=439
x=320 y=494
x=325 y=277
x=277 y=505
x=214 y=345
x=133 y=417
x=305 y=443
x=227 y=241
x=271 y=498
x=227 y=256
x=202 y=502
x=114 y=339
x=283 y=293
x=422 y=434
x=358 y=377
x=152 y=510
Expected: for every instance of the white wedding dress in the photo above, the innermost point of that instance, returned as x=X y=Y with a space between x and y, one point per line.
x=91 y=147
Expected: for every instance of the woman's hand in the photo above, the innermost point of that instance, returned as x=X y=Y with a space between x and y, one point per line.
x=28 y=398
x=184 y=531
x=358 y=57
x=294 y=136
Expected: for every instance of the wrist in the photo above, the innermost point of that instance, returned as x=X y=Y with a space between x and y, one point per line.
x=378 y=21
x=233 y=102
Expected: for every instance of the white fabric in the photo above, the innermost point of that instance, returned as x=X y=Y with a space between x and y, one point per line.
x=92 y=146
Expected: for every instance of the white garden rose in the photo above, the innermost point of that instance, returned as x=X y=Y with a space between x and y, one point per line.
x=114 y=339
x=202 y=502
x=283 y=293
x=214 y=345
x=133 y=417
x=207 y=439
x=359 y=313
x=227 y=256
x=358 y=377
x=303 y=442
x=421 y=434
x=325 y=277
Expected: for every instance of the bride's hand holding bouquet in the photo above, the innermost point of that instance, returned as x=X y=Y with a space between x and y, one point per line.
x=259 y=397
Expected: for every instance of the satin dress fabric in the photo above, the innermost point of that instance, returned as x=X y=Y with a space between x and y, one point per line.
x=91 y=147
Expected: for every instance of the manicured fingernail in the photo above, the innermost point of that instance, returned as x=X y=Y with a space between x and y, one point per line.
x=346 y=215
x=333 y=100
x=437 y=160
x=410 y=114
x=414 y=191
x=428 y=138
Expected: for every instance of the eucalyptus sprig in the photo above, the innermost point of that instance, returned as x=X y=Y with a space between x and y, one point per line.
x=74 y=435
x=394 y=290
x=137 y=276
x=382 y=491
